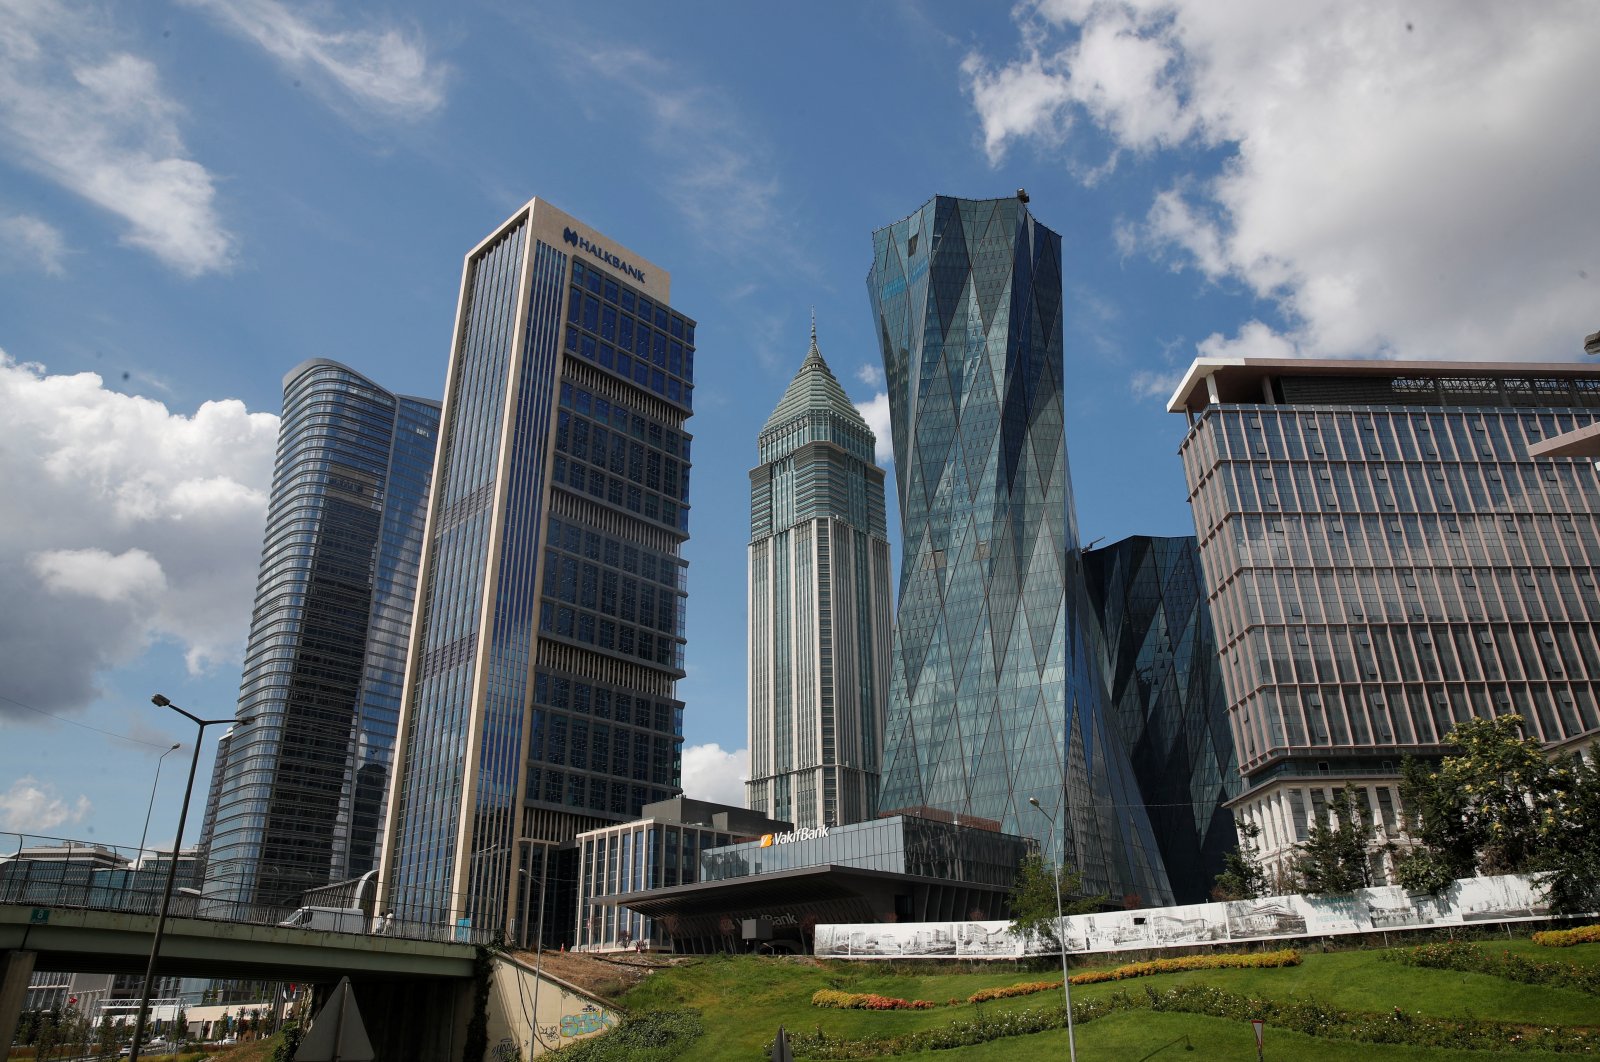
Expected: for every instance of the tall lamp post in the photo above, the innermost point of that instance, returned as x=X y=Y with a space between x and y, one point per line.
x=538 y=940
x=172 y=868
x=151 y=806
x=1061 y=937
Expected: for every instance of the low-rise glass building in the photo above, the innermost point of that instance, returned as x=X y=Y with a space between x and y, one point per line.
x=771 y=892
x=661 y=850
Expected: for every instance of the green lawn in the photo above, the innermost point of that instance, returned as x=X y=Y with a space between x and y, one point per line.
x=743 y=1000
x=1162 y=1038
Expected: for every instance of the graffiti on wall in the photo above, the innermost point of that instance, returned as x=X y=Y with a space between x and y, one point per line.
x=591 y=1019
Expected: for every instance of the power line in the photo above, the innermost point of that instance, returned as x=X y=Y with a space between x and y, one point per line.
x=85 y=726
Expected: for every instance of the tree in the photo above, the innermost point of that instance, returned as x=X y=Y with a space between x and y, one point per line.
x=1493 y=806
x=1572 y=839
x=1336 y=855
x=1033 y=898
x=1242 y=877
x=108 y=1037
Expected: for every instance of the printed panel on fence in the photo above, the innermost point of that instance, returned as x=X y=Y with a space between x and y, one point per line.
x=1507 y=898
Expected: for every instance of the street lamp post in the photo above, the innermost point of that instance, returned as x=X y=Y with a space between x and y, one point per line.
x=1061 y=937
x=172 y=869
x=538 y=941
x=151 y=806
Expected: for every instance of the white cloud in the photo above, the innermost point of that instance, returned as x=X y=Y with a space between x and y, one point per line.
x=94 y=118
x=1254 y=340
x=870 y=375
x=30 y=242
x=31 y=806
x=711 y=773
x=1160 y=385
x=383 y=69
x=712 y=163
x=130 y=576
x=142 y=525
x=1414 y=184
x=875 y=411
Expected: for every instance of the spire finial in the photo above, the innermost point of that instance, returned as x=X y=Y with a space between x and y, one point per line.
x=813 y=327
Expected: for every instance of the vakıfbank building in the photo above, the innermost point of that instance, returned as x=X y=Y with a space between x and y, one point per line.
x=540 y=687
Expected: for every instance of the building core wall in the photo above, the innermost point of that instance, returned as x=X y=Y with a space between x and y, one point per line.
x=1167 y=700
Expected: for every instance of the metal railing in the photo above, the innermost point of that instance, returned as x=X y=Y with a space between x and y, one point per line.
x=59 y=872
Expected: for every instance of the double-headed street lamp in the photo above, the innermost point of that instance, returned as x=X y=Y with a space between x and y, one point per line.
x=1061 y=936
x=172 y=869
x=151 y=806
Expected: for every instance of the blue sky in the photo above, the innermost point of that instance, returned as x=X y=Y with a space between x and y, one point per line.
x=197 y=195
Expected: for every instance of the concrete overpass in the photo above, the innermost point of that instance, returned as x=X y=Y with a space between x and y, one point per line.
x=416 y=996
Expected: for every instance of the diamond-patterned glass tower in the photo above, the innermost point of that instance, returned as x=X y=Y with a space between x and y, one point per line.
x=996 y=694
x=1162 y=670
x=819 y=607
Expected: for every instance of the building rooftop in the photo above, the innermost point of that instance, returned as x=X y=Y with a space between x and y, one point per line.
x=814 y=389
x=1210 y=381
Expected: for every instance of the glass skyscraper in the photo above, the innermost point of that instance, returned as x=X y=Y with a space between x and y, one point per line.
x=540 y=687
x=1383 y=560
x=819 y=623
x=995 y=693
x=298 y=793
x=1161 y=669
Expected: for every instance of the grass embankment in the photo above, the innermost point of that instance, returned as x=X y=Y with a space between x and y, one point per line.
x=743 y=1000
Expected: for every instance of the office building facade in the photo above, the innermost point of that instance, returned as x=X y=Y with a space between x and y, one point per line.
x=996 y=694
x=299 y=791
x=1384 y=559
x=540 y=688
x=1160 y=666
x=819 y=618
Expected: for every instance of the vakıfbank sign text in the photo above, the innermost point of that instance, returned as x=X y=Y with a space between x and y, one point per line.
x=799 y=833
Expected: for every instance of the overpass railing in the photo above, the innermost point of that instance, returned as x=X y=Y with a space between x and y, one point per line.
x=58 y=872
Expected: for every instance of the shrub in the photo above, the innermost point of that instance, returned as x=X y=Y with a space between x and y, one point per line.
x=1566 y=938
x=649 y=1036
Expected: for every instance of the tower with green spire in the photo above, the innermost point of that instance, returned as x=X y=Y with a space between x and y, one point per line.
x=819 y=620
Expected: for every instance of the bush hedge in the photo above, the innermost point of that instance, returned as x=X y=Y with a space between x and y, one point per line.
x=1300 y=1015
x=1456 y=955
x=1566 y=938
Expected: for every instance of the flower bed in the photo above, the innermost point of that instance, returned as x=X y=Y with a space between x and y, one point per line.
x=1259 y=961
x=1566 y=938
x=832 y=997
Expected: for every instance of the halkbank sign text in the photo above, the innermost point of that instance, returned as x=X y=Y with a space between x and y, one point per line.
x=605 y=256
